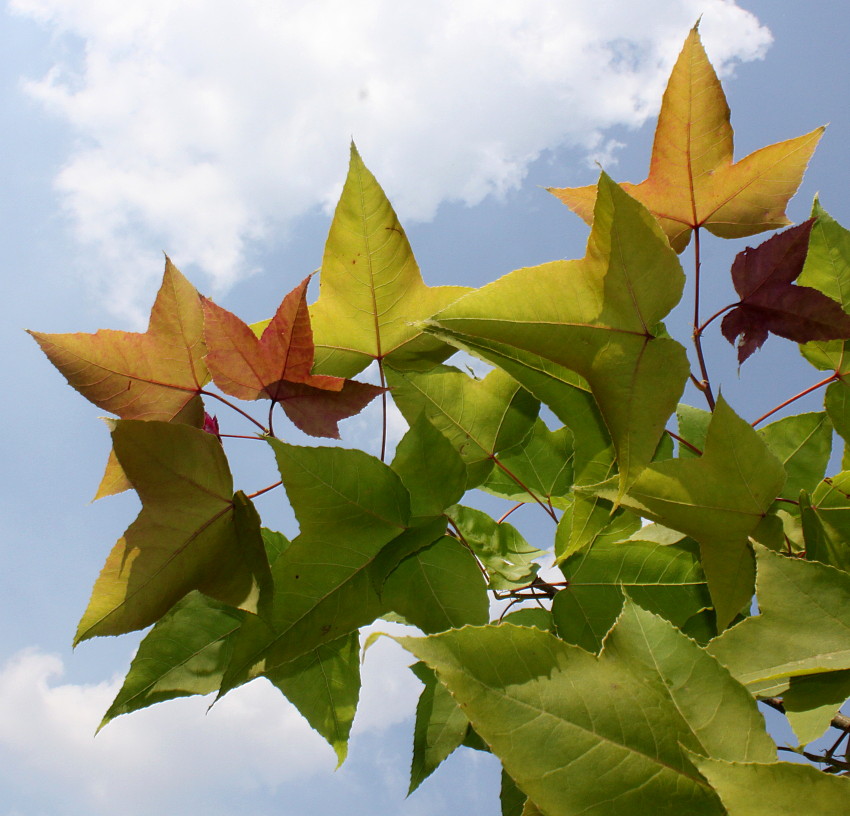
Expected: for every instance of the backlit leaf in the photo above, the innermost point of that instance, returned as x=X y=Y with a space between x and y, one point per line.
x=718 y=499
x=278 y=366
x=349 y=505
x=536 y=702
x=692 y=180
x=371 y=292
x=192 y=532
x=598 y=316
x=479 y=417
x=763 y=278
x=826 y=522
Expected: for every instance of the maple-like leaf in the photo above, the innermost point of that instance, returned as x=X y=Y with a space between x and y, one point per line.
x=155 y=375
x=371 y=292
x=277 y=366
x=764 y=277
x=692 y=180
x=152 y=375
x=598 y=316
x=193 y=532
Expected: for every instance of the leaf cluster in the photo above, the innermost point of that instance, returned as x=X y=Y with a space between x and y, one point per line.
x=624 y=666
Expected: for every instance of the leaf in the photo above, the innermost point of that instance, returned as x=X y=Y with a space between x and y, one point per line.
x=544 y=464
x=536 y=702
x=371 y=291
x=592 y=521
x=278 y=365
x=430 y=468
x=827 y=269
x=598 y=316
x=440 y=727
x=511 y=798
x=348 y=505
x=826 y=522
x=185 y=653
x=192 y=533
x=324 y=685
x=775 y=789
x=811 y=701
x=803 y=443
x=479 y=417
x=438 y=587
x=718 y=499
x=692 y=180
x=664 y=579
x=803 y=628
x=505 y=554
x=763 y=278
x=155 y=375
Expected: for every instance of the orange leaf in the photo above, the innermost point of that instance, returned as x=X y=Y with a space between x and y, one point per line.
x=692 y=180
x=152 y=375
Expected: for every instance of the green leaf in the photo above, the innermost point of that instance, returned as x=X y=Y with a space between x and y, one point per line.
x=439 y=729
x=597 y=316
x=544 y=464
x=693 y=427
x=439 y=587
x=775 y=789
x=371 y=291
x=717 y=499
x=803 y=443
x=185 y=653
x=803 y=628
x=511 y=798
x=589 y=522
x=811 y=701
x=479 y=417
x=430 y=468
x=506 y=555
x=536 y=702
x=192 y=532
x=324 y=685
x=348 y=505
x=826 y=522
x=664 y=579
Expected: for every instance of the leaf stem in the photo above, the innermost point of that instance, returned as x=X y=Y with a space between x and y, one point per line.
x=241 y=436
x=384 y=409
x=236 y=408
x=527 y=489
x=264 y=490
x=515 y=507
x=831 y=378
x=705 y=385
x=714 y=317
x=684 y=442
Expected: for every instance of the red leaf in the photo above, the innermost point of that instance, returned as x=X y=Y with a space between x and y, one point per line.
x=764 y=277
x=277 y=366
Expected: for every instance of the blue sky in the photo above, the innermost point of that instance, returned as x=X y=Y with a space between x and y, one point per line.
x=219 y=132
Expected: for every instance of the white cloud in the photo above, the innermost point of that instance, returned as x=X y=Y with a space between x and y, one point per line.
x=172 y=757
x=207 y=124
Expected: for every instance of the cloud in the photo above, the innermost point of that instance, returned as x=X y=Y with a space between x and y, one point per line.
x=173 y=757
x=205 y=126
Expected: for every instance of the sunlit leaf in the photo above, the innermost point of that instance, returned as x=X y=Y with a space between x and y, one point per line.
x=348 y=505
x=692 y=180
x=505 y=554
x=371 y=292
x=775 y=789
x=536 y=702
x=479 y=417
x=803 y=443
x=598 y=316
x=718 y=499
x=192 y=532
x=664 y=579
x=803 y=626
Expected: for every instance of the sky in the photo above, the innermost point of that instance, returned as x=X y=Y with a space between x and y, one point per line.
x=218 y=132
